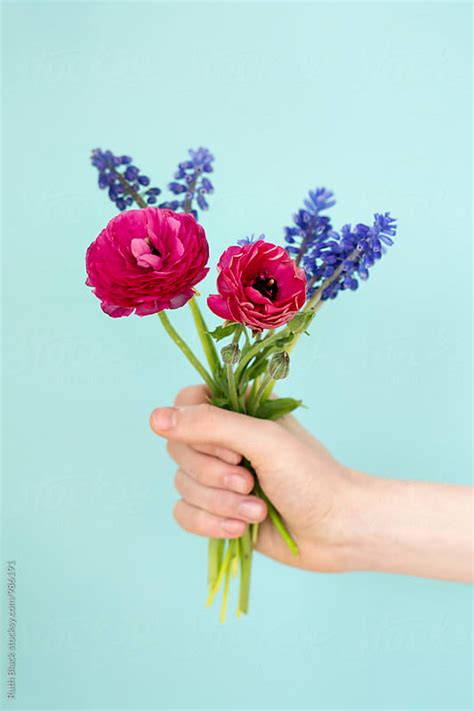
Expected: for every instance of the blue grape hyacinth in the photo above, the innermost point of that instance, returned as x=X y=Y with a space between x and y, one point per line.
x=250 y=239
x=335 y=261
x=123 y=180
x=346 y=257
x=310 y=228
x=191 y=184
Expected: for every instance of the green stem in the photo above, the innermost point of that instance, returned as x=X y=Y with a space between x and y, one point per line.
x=195 y=362
x=237 y=334
x=251 y=395
x=220 y=576
x=315 y=298
x=260 y=392
x=234 y=398
x=236 y=557
x=253 y=351
x=277 y=520
x=268 y=390
x=245 y=570
x=226 y=585
x=214 y=559
x=314 y=307
x=206 y=340
x=220 y=552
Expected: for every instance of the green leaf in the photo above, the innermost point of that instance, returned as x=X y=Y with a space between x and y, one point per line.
x=301 y=321
x=221 y=401
x=223 y=331
x=281 y=343
x=273 y=409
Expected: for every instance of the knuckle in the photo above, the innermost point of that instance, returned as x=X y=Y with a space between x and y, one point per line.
x=208 y=474
x=269 y=427
x=207 y=413
x=214 y=500
x=200 y=475
x=219 y=502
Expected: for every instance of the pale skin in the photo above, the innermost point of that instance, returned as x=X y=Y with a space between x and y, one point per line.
x=342 y=520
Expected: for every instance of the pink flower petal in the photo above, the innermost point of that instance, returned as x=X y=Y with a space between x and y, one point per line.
x=115 y=311
x=177 y=301
x=139 y=247
x=218 y=306
x=150 y=260
x=255 y=296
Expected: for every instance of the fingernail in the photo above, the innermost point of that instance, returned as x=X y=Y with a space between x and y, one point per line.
x=164 y=418
x=231 y=525
x=251 y=510
x=237 y=483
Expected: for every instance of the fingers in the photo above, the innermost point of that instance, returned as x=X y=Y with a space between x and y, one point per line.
x=209 y=470
x=203 y=523
x=214 y=512
x=220 y=452
x=219 y=501
x=198 y=395
x=196 y=424
x=192 y=395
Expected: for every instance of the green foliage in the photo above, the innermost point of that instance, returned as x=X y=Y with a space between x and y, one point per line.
x=300 y=322
x=223 y=331
x=257 y=368
x=273 y=409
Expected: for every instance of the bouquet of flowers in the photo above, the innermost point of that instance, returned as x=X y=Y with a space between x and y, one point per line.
x=149 y=259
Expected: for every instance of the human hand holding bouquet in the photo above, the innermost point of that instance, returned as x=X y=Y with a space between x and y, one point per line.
x=307 y=485
x=149 y=260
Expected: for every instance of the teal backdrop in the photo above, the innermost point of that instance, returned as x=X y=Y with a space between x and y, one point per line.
x=369 y=99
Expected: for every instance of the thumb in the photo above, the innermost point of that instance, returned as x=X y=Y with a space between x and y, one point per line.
x=257 y=440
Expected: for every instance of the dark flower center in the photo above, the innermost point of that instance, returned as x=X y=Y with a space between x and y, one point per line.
x=153 y=249
x=267 y=286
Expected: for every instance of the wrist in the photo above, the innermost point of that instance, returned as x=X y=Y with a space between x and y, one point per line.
x=357 y=521
x=339 y=542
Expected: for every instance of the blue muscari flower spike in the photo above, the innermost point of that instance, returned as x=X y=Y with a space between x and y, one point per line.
x=250 y=240
x=319 y=199
x=310 y=228
x=123 y=180
x=191 y=184
x=347 y=256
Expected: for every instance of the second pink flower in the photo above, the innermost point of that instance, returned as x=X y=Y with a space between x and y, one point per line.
x=259 y=285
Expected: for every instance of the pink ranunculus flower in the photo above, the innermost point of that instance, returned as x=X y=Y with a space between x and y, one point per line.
x=259 y=285
x=146 y=261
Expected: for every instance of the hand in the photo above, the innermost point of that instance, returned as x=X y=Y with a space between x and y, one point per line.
x=341 y=519
x=310 y=489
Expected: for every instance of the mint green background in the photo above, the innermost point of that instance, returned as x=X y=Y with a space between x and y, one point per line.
x=370 y=99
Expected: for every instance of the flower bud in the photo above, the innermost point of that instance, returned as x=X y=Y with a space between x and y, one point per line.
x=230 y=354
x=279 y=365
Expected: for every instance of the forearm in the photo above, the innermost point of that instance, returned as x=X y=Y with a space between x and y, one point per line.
x=412 y=528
